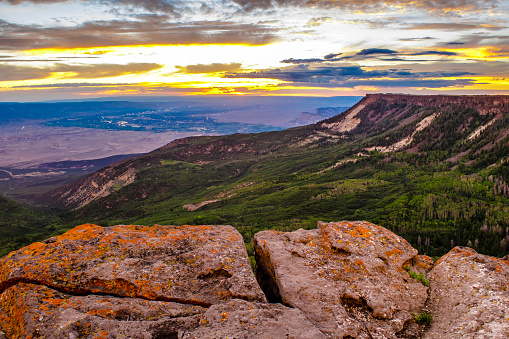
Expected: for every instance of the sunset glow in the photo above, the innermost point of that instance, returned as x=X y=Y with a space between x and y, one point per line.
x=70 y=49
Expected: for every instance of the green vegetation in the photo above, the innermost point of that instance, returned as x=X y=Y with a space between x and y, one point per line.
x=417 y=276
x=423 y=318
x=441 y=190
x=20 y=226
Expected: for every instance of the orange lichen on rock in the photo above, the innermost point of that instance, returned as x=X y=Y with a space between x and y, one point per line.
x=469 y=296
x=165 y=276
x=138 y=261
x=340 y=267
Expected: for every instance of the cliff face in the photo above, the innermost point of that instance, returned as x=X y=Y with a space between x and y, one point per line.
x=342 y=280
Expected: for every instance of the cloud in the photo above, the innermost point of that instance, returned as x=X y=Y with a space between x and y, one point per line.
x=153 y=31
x=454 y=26
x=418 y=39
x=301 y=61
x=439 y=6
x=17 y=73
x=104 y=70
x=176 y=7
x=368 y=53
x=371 y=51
x=352 y=76
x=445 y=53
x=18 y=2
x=210 y=68
x=13 y=73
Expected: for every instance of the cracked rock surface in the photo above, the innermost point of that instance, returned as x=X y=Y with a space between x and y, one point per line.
x=348 y=278
x=200 y=265
x=469 y=296
x=132 y=281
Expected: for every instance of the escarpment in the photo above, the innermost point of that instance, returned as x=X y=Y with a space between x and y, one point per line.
x=341 y=280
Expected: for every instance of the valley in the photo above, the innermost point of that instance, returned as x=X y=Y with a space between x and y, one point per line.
x=433 y=169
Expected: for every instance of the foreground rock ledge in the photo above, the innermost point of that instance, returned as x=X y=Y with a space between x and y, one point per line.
x=197 y=265
x=139 y=282
x=347 y=277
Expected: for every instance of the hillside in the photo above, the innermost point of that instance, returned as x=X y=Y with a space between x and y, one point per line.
x=431 y=168
x=20 y=225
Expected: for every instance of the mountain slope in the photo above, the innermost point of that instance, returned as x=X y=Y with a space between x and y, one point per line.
x=20 y=226
x=431 y=168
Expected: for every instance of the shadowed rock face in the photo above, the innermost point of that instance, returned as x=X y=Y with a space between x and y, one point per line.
x=469 y=296
x=347 y=277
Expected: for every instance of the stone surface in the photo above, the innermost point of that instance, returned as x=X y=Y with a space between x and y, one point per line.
x=200 y=265
x=241 y=319
x=132 y=281
x=469 y=296
x=33 y=311
x=348 y=278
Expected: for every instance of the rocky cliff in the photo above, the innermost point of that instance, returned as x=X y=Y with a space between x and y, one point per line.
x=341 y=280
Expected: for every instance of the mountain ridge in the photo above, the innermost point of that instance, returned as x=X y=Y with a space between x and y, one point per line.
x=433 y=169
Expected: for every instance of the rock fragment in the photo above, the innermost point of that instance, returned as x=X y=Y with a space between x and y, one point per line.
x=253 y=320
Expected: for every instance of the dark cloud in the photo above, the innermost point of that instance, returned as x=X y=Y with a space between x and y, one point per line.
x=415 y=83
x=301 y=61
x=13 y=73
x=332 y=56
x=210 y=68
x=155 y=31
x=451 y=26
x=418 y=39
x=351 y=76
x=371 y=51
x=445 y=53
x=439 y=6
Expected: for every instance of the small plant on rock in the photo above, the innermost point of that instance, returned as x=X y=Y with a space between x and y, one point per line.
x=423 y=318
x=417 y=276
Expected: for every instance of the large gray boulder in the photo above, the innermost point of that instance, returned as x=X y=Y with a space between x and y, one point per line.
x=469 y=296
x=348 y=278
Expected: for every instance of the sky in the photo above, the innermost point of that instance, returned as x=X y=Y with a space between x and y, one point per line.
x=67 y=49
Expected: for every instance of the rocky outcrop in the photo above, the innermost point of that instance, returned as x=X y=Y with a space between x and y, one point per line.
x=348 y=278
x=341 y=280
x=469 y=296
x=195 y=265
x=139 y=282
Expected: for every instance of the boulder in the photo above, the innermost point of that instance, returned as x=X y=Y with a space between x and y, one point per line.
x=469 y=295
x=348 y=278
x=196 y=265
x=133 y=281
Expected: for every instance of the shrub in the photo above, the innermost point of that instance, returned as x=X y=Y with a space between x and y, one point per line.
x=417 y=276
x=423 y=318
